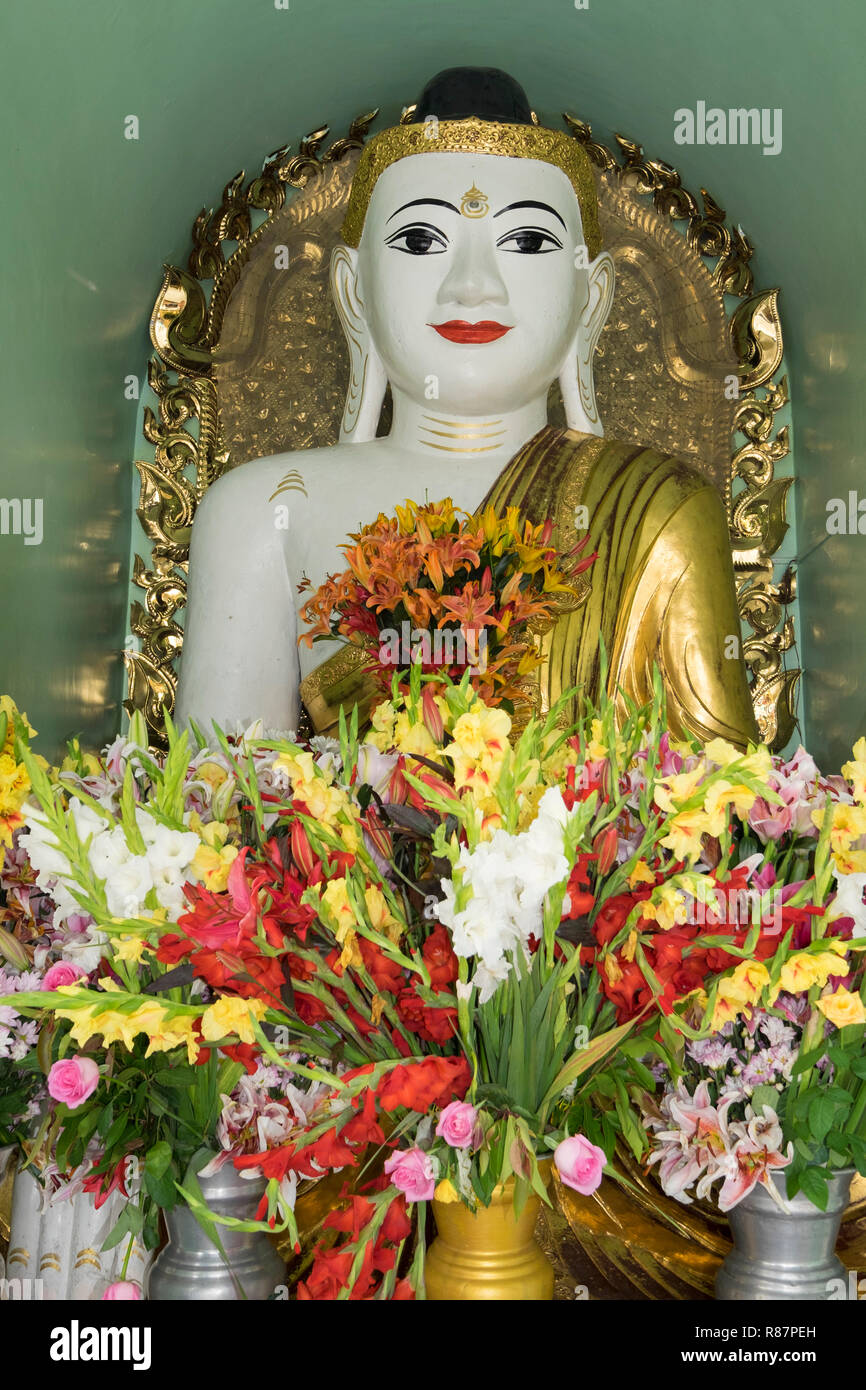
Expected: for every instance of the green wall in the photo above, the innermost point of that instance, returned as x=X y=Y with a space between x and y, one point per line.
x=216 y=85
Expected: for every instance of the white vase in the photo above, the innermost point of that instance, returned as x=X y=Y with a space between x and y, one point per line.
x=56 y=1253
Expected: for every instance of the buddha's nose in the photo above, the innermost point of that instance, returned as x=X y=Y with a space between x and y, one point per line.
x=473 y=277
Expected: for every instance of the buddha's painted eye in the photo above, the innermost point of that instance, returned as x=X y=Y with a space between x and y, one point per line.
x=421 y=239
x=530 y=241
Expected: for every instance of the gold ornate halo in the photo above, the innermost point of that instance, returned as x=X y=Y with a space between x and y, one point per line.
x=198 y=434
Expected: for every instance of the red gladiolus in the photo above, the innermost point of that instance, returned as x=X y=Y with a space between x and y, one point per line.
x=439 y=958
x=396 y=1226
x=364 y=1128
x=386 y=974
x=425 y=1083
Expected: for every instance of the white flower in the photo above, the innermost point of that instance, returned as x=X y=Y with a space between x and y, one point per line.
x=86 y=821
x=508 y=877
x=128 y=886
x=108 y=851
x=86 y=949
x=42 y=850
x=849 y=900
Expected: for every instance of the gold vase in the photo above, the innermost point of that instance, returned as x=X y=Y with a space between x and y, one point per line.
x=488 y=1253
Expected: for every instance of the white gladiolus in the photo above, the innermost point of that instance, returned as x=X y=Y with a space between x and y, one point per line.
x=108 y=852
x=849 y=900
x=128 y=886
x=509 y=877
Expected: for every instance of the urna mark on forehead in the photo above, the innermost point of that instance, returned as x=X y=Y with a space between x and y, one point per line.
x=475 y=186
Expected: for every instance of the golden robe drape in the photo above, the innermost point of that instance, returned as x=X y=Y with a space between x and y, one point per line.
x=661 y=589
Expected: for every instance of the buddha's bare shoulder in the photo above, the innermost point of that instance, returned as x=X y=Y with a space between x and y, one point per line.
x=250 y=489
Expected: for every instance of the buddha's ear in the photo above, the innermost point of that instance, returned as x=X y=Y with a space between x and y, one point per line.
x=576 y=380
x=367 y=379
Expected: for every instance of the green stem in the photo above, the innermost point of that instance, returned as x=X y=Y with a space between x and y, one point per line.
x=125 y=1265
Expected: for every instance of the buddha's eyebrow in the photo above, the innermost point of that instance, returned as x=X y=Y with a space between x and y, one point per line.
x=437 y=202
x=530 y=203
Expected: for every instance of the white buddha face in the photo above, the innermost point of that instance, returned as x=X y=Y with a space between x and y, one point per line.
x=467 y=274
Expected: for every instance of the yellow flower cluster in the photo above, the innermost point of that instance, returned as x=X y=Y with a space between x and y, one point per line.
x=314 y=786
x=848 y=824
x=723 y=795
x=214 y=857
x=744 y=987
x=165 y=1027
x=14 y=780
x=478 y=751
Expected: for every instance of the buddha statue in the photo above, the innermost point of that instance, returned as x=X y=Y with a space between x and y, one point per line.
x=470 y=278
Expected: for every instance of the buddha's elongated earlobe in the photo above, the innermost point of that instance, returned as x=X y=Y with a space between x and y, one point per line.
x=367 y=379
x=576 y=380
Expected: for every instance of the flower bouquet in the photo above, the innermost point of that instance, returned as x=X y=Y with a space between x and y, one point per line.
x=450 y=592
x=768 y=1073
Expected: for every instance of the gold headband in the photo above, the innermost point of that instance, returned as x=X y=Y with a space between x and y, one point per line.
x=474 y=136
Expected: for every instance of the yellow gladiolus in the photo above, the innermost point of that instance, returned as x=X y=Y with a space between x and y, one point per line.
x=481 y=733
x=335 y=899
x=641 y=873
x=130 y=948
x=667 y=906
x=685 y=832
x=380 y=914
x=723 y=794
x=739 y=991
x=807 y=968
x=414 y=738
x=381 y=731
x=842 y=1008
x=759 y=762
x=212 y=864
x=855 y=771
x=232 y=1016
x=671 y=792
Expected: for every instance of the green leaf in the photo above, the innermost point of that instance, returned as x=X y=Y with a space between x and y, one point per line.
x=116 y=1131
x=158 y=1158
x=119 y=1230
x=822 y=1112
x=764 y=1095
x=162 y=1189
x=813 y=1183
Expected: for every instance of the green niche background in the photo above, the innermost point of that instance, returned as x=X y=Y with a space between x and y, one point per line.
x=216 y=85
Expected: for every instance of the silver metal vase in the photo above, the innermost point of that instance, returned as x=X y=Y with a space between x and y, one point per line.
x=789 y=1255
x=191 y=1267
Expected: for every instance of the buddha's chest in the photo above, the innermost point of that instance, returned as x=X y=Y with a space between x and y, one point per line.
x=318 y=521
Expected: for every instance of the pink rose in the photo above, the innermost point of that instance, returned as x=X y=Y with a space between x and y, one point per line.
x=579 y=1163
x=73 y=1080
x=458 y=1125
x=123 y=1289
x=411 y=1172
x=63 y=972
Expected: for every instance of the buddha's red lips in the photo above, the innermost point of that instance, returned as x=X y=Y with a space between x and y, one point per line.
x=459 y=331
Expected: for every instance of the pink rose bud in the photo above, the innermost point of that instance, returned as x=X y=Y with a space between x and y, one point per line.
x=458 y=1125
x=123 y=1289
x=73 y=1080
x=411 y=1172
x=63 y=972
x=579 y=1163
